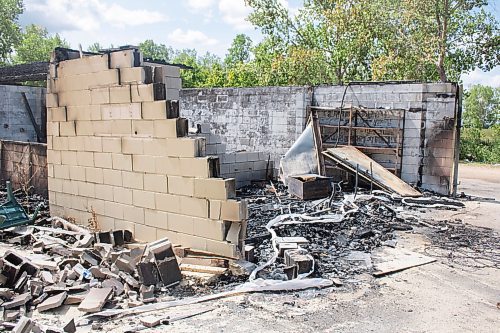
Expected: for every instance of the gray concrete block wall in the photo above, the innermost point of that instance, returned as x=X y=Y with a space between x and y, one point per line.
x=261 y=119
x=269 y=119
x=15 y=123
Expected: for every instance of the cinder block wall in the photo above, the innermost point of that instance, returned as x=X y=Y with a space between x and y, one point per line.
x=260 y=119
x=117 y=147
x=15 y=123
x=269 y=119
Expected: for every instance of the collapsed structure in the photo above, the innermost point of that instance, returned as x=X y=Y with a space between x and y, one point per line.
x=118 y=152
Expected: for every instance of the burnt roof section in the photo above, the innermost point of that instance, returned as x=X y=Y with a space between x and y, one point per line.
x=36 y=71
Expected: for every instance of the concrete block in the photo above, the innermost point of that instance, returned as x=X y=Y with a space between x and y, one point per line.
x=90 y=64
x=133 y=215
x=148 y=92
x=200 y=167
x=74 y=98
x=139 y=75
x=122 y=162
x=145 y=199
x=103 y=192
x=112 y=177
x=228 y=210
x=179 y=185
x=194 y=206
x=170 y=128
x=95 y=300
x=181 y=223
x=51 y=100
x=154 y=110
x=67 y=128
x=167 y=202
x=168 y=165
x=99 y=95
x=103 y=160
x=143 y=128
x=93 y=144
x=210 y=229
x=56 y=114
x=155 y=183
x=120 y=94
x=94 y=175
x=85 y=158
x=86 y=112
x=155 y=218
x=185 y=147
x=143 y=163
x=134 y=180
x=68 y=158
x=84 y=127
x=121 y=111
x=77 y=173
x=122 y=195
x=102 y=128
x=132 y=145
x=215 y=188
x=173 y=83
x=125 y=59
x=112 y=145
x=121 y=127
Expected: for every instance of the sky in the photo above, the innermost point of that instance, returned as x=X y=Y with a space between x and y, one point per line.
x=206 y=25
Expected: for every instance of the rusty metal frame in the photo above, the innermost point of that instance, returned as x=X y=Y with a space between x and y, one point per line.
x=352 y=125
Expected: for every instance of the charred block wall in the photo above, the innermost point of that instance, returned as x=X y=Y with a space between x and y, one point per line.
x=15 y=123
x=269 y=119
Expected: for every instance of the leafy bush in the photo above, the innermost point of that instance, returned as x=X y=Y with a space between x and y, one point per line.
x=480 y=145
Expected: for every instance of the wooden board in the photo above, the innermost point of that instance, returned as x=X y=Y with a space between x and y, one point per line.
x=396 y=260
x=348 y=157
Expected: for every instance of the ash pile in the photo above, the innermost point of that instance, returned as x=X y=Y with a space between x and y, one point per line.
x=338 y=232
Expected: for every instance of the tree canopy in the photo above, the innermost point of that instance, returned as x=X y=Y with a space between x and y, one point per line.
x=36 y=44
x=10 y=31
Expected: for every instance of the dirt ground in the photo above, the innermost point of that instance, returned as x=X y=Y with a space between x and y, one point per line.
x=435 y=297
x=430 y=298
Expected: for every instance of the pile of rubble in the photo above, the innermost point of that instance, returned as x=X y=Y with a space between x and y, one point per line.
x=84 y=269
x=334 y=235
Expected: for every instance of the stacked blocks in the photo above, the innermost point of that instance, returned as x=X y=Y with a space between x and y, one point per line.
x=117 y=148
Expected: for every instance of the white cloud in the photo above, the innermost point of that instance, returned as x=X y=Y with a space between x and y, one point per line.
x=203 y=7
x=200 y=4
x=234 y=13
x=491 y=78
x=87 y=15
x=192 y=38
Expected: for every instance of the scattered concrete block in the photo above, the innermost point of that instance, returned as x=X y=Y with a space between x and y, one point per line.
x=17 y=301
x=282 y=247
x=148 y=273
x=52 y=302
x=24 y=325
x=151 y=321
x=95 y=300
x=147 y=293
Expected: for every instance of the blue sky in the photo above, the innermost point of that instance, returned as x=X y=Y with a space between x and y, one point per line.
x=206 y=25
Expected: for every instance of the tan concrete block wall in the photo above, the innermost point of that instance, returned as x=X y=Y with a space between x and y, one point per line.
x=117 y=148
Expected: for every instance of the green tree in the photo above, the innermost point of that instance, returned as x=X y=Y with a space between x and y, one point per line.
x=95 y=47
x=342 y=33
x=155 y=51
x=480 y=137
x=239 y=51
x=436 y=39
x=482 y=107
x=36 y=45
x=10 y=31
